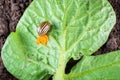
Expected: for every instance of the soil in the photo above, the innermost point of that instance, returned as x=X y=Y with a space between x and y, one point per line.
x=12 y=10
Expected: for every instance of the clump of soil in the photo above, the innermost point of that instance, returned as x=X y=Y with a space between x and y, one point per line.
x=12 y=10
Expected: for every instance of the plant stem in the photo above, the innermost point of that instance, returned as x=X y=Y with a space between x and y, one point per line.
x=60 y=72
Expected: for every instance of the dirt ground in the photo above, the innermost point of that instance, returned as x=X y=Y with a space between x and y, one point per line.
x=12 y=10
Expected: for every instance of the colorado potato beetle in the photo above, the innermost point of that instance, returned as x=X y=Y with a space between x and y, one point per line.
x=43 y=28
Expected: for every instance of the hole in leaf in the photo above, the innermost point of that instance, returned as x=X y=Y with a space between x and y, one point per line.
x=70 y=64
x=50 y=78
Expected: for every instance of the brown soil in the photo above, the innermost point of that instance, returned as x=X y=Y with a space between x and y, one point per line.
x=12 y=10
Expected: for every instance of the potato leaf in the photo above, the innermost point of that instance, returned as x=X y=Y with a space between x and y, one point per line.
x=78 y=28
x=102 y=67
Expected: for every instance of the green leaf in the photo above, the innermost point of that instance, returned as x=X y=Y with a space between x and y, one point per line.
x=79 y=27
x=102 y=67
